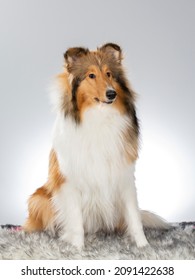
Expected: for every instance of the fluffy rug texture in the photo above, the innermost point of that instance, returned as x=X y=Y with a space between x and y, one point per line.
x=176 y=243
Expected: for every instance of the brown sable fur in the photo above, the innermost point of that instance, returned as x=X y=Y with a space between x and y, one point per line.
x=40 y=209
x=83 y=91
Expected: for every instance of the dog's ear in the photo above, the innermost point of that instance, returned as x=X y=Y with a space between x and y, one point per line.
x=73 y=54
x=113 y=50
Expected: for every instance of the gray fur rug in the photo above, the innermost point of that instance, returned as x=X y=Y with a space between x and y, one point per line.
x=176 y=243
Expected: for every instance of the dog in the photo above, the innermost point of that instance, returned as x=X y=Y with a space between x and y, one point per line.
x=91 y=184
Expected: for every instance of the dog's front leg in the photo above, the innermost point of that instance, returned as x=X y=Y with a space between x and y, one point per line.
x=130 y=208
x=67 y=203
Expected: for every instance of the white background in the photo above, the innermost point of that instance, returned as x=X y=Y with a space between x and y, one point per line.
x=158 y=39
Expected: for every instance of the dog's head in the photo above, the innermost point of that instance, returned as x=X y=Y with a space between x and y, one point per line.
x=95 y=78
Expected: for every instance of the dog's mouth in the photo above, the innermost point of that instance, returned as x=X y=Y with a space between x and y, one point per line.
x=104 y=101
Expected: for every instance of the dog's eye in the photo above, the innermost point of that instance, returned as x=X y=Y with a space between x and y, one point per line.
x=108 y=74
x=92 y=76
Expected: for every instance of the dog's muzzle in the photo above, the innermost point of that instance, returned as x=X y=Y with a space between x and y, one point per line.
x=110 y=97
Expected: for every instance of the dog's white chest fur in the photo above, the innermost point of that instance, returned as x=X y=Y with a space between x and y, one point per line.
x=93 y=160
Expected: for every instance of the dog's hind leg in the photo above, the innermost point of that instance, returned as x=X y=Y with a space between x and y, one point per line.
x=40 y=211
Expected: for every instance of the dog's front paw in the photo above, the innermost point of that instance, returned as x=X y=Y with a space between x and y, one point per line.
x=75 y=239
x=142 y=243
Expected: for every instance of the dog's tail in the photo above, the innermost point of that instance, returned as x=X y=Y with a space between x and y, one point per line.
x=151 y=220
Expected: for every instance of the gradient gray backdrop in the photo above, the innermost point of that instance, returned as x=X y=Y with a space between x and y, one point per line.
x=158 y=40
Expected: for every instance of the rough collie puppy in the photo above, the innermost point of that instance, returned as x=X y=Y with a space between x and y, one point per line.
x=91 y=183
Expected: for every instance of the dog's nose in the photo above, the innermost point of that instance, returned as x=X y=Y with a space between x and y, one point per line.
x=111 y=94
